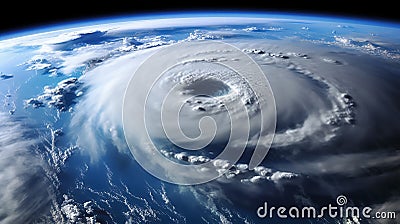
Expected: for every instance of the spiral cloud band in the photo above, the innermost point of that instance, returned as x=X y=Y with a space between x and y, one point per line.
x=196 y=96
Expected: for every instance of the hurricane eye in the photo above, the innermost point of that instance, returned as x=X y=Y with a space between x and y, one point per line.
x=207 y=86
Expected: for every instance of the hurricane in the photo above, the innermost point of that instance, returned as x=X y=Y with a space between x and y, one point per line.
x=200 y=119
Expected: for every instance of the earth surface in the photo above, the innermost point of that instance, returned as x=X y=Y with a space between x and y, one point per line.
x=63 y=154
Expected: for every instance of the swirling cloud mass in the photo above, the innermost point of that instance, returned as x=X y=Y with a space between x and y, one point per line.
x=335 y=100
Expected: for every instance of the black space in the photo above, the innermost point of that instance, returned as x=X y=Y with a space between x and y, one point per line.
x=20 y=15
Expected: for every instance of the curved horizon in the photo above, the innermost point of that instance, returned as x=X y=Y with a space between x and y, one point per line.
x=281 y=15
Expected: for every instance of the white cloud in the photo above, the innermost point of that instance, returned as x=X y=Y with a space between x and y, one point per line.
x=99 y=112
x=24 y=188
x=61 y=97
x=279 y=175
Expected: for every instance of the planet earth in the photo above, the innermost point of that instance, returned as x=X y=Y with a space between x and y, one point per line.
x=64 y=156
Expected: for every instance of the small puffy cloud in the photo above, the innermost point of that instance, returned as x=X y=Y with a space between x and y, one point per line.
x=279 y=175
x=61 y=97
